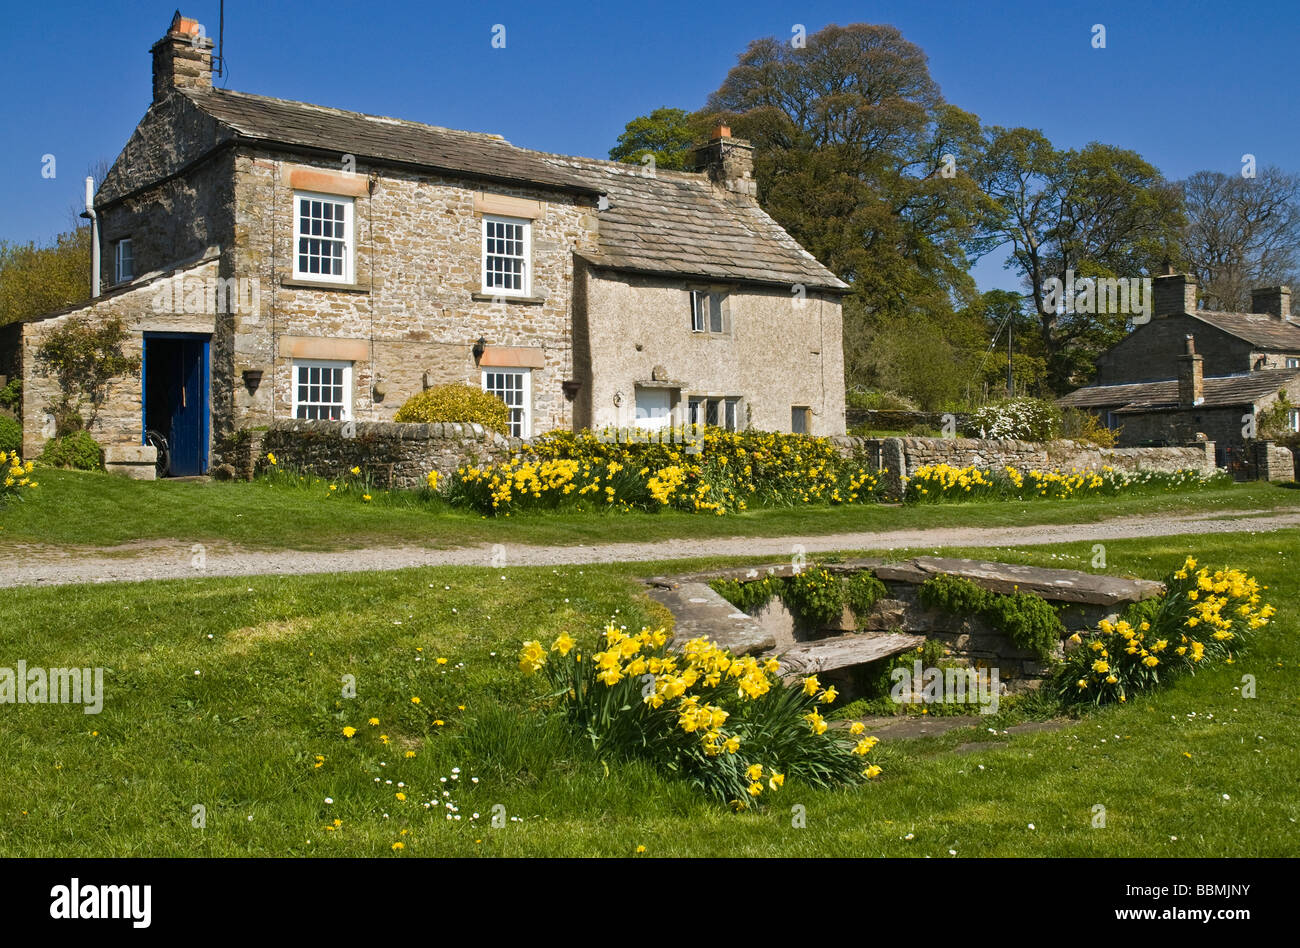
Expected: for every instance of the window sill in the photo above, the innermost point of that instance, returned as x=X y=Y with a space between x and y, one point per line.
x=522 y=300
x=325 y=285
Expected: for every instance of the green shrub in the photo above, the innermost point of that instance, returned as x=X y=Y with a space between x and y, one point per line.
x=78 y=451
x=749 y=596
x=954 y=594
x=1027 y=619
x=815 y=595
x=1085 y=427
x=862 y=591
x=12 y=394
x=11 y=434
x=456 y=403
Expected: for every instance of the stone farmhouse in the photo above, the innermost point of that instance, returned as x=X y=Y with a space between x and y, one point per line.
x=276 y=260
x=1190 y=372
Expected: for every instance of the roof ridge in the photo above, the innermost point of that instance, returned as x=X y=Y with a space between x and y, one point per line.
x=198 y=94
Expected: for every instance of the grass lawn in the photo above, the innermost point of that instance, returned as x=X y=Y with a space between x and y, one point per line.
x=1195 y=761
x=73 y=508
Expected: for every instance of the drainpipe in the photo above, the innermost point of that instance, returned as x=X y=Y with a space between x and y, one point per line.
x=90 y=215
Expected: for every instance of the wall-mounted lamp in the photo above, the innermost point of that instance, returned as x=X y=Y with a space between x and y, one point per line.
x=252 y=379
x=479 y=346
x=571 y=387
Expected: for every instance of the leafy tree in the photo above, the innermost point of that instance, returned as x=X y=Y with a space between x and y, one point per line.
x=1241 y=233
x=84 y=356
x=851 y=141
x=667 y=134
x=35 y=280
x=1099 y=211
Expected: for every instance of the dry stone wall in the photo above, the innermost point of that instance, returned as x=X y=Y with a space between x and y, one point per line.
x=904 y=456
x=393 y=455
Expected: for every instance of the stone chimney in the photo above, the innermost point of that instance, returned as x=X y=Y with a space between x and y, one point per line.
x=1174 y=294
x=182 y=59
x=1273 y=300
x=1191 y=377
x=729 y=162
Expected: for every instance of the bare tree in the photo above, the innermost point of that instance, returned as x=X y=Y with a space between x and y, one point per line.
x=1241 y=233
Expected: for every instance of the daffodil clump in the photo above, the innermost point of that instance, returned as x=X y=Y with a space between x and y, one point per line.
x=1204 y=617
x=731 y=471
x=18 y=478
x=730 y=725
x=937 y=483
x=353 y=482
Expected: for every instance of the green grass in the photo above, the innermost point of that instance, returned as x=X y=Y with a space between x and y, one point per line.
x=82 y=509
x=241 y=737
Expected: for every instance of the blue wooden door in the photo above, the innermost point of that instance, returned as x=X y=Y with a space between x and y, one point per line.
x=176 y=398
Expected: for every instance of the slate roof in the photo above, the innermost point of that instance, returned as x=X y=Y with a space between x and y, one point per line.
x=681 y=224
x=673 y=223
x=1220 y=392
x=299 y=124
x=1260 y=330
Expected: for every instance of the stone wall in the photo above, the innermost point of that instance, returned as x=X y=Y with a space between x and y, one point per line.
x=394 y=455
x=903 y=456
x=412 y=315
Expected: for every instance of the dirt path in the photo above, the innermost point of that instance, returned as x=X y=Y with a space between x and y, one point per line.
x=48 y=566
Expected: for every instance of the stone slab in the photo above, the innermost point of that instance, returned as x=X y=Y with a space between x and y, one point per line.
x=701 y=613
x=844 y=651
x=1054 y=585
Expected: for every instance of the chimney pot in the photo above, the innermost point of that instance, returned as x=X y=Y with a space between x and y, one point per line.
x=182 y=59
x=728 y=162
x=1272 y=300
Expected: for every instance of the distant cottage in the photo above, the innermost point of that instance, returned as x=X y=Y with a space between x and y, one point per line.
x=1190 y=372
x=278 y=260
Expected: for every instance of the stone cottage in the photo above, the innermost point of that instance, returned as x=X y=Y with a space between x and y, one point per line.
x=1190 y=372
x=277 y=260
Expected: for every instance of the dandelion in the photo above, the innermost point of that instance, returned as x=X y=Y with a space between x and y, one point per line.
x=349 y=731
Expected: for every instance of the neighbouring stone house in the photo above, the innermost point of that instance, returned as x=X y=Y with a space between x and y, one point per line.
x=1191 y=373
x=277 y=260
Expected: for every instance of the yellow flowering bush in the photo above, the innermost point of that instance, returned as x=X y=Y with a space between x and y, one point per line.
x=706 y=470
x=728 y=724
x=1204 y=617
x=937 y=483
x=17 y=476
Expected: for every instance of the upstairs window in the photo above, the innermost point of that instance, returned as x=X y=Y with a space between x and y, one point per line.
x=505 y=256
x=708 y=314
x=123 y=261
x=1292 y=362
x=323 y=238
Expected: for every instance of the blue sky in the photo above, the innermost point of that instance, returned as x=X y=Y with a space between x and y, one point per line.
x=1188 y=85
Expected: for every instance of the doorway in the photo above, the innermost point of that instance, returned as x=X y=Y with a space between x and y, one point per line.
x=176 y=401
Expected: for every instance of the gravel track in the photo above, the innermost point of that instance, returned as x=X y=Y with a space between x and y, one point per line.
x=51 y=566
